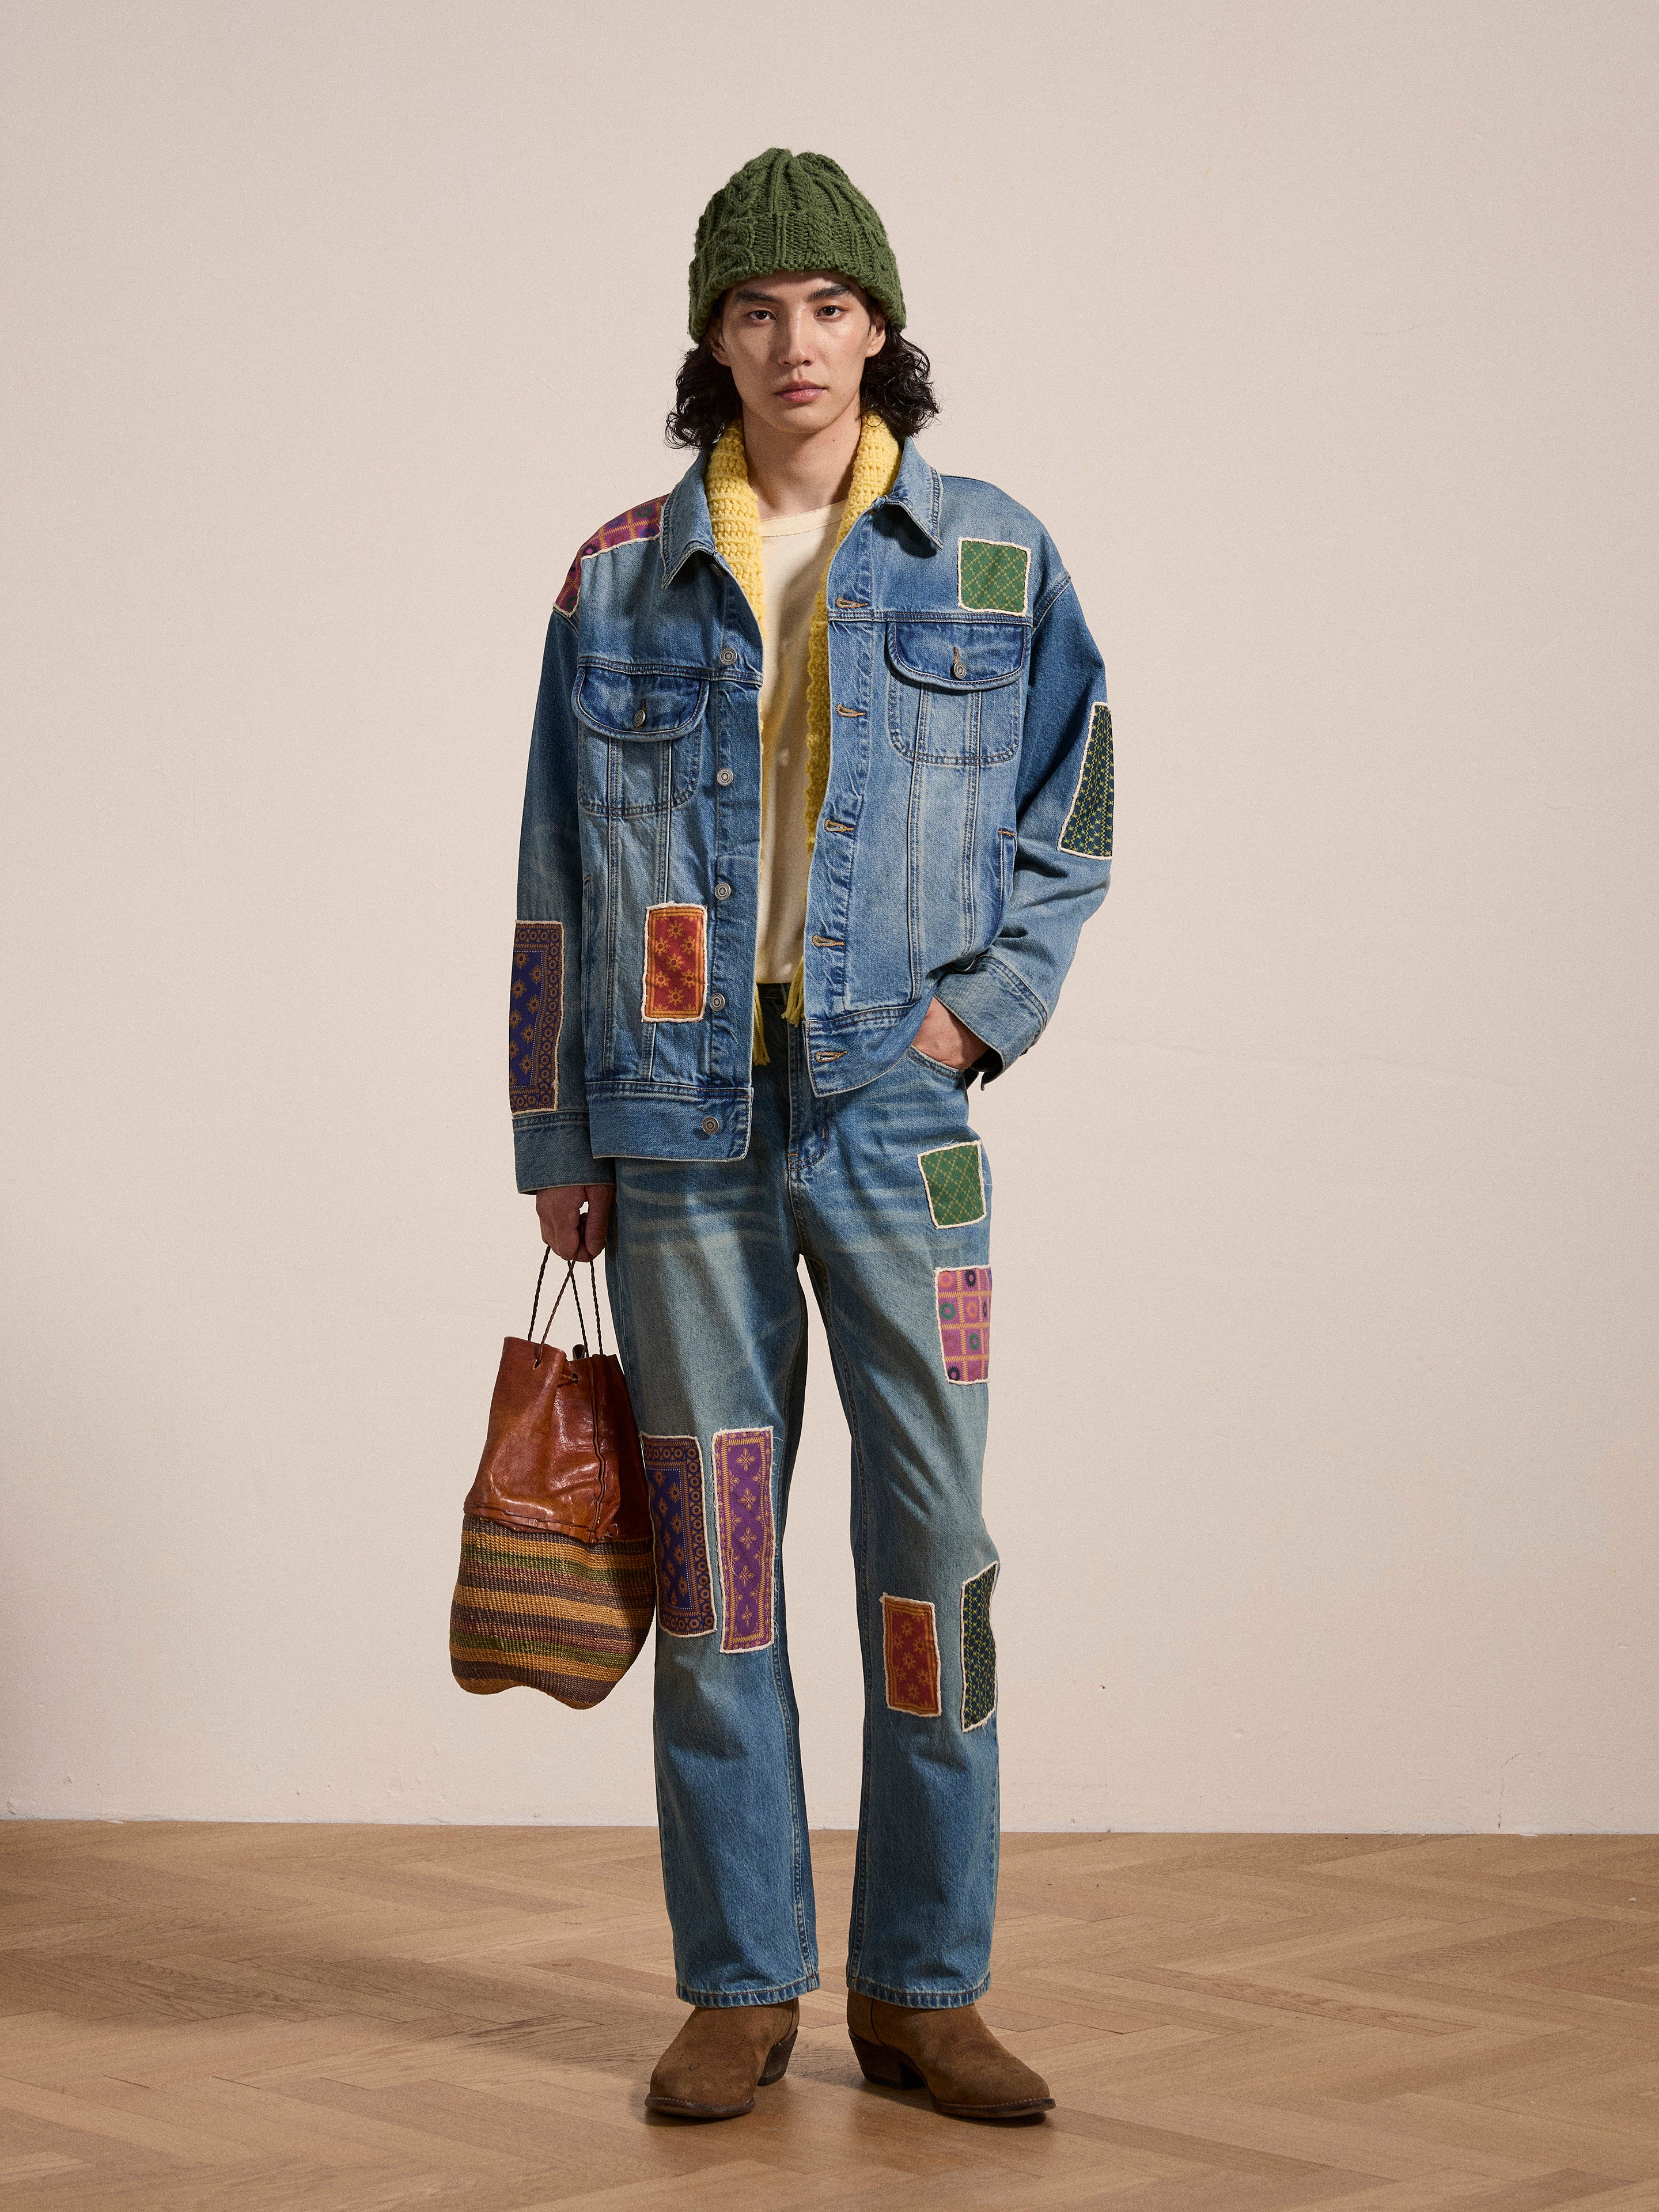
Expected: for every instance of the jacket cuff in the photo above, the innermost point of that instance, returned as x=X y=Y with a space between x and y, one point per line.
x=553 y=1148
x=997 y=1007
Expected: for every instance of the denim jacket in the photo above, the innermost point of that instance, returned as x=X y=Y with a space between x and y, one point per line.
x=966 y=834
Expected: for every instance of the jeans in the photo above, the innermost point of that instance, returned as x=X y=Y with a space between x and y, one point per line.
x=883 y=1191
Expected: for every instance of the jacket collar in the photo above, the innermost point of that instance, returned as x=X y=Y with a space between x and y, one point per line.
x=920 y=490
x=686 y=529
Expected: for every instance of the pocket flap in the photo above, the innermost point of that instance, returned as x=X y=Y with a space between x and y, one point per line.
x=957 y=656
x=624 y=701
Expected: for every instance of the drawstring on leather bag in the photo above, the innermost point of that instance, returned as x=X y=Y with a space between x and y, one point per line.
x=568 y=1284
x=531 y=1331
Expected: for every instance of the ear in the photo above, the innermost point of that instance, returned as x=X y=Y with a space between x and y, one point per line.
x=878 y=338
x=712 y=329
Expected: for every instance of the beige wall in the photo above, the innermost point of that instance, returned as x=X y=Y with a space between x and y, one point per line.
x=1323 y=337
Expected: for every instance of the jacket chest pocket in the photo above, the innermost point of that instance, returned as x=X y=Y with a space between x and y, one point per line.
x=953 y=688
x=640 y=735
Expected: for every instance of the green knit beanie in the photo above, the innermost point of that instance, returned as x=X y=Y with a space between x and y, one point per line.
x=795 y=212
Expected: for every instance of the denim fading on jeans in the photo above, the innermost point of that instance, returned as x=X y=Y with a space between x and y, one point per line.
x=711 y=1320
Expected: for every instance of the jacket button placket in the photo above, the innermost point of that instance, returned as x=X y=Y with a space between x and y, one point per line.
x=851 y=647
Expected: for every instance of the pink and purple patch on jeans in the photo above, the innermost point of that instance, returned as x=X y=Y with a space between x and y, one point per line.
x=964 y=1321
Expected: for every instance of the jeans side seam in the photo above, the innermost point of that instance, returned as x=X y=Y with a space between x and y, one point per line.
x=796 y=1854
x=861 y=1581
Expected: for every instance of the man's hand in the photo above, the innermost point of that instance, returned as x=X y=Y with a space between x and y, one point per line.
x=942 y=1036
x=574 y=1235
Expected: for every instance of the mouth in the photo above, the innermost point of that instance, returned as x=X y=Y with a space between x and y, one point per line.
x=797 y=394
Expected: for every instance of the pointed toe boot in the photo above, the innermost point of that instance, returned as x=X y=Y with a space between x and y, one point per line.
x=952 y=2054
x=721 y=2057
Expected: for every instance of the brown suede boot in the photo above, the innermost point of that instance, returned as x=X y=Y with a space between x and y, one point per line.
x=952 y=2054
x=712 y=2068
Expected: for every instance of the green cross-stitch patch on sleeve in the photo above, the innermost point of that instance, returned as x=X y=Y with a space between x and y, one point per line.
x=991 y=575
x=1089 y=825
x=979 y=1649
x=956 y=1188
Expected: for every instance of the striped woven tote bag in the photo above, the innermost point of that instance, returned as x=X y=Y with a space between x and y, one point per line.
x=556 y=1588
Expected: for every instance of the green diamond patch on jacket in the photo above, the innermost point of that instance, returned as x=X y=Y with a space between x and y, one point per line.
x=991 y=575
x=956 y=1188
x=1089 y=825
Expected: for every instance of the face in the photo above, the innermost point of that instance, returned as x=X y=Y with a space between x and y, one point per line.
x=796 y=347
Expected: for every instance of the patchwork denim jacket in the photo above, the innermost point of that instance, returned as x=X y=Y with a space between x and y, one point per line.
x=966 y=834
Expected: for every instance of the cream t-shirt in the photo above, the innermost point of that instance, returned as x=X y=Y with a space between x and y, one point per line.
x=795 y=551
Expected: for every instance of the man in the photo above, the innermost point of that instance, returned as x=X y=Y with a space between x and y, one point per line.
x=819 y=798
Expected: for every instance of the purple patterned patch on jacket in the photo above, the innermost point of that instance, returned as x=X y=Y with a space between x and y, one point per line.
x=644 y=521
x=742 y=1502
x=536 y=1017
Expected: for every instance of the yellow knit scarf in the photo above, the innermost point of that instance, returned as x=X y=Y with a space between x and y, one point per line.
x=734 y=515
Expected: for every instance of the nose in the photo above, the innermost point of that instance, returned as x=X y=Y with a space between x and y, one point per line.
x=795 y=338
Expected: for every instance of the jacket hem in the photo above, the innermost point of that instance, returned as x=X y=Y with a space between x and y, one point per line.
x=644 y=1124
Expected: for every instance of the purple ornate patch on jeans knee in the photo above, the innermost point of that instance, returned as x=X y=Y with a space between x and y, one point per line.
x=964 y=1321
x=743 y=1504
x=673 y=1484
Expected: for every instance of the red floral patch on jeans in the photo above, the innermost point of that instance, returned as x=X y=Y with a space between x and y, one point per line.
x=910 y=1656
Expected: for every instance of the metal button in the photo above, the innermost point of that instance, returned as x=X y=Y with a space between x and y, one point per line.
x=726 y=775
x=958 y=666
x=638 y=718
x=717 y=1002
x=710 y=1123
x=728 y=655
x=722 y=890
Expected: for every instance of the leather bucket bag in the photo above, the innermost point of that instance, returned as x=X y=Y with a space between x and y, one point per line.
x=556 y=1588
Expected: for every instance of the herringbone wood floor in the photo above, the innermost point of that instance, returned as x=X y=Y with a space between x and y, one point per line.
x=464 y=2019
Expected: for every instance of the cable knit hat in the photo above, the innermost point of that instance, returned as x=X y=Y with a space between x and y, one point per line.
x=795 y=212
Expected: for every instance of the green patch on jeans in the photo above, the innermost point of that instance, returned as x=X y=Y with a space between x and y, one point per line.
x=991 y=575
x=955 y=1187
x=979 y=1649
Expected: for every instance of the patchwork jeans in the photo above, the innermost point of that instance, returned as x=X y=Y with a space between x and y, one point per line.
x=884 y=1192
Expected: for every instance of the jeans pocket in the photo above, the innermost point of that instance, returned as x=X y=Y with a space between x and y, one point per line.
x=958 y=1076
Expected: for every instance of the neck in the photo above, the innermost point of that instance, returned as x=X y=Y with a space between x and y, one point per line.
x=793 y=475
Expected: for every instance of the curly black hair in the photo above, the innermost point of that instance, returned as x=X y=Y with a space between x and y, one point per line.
x=894 y=385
